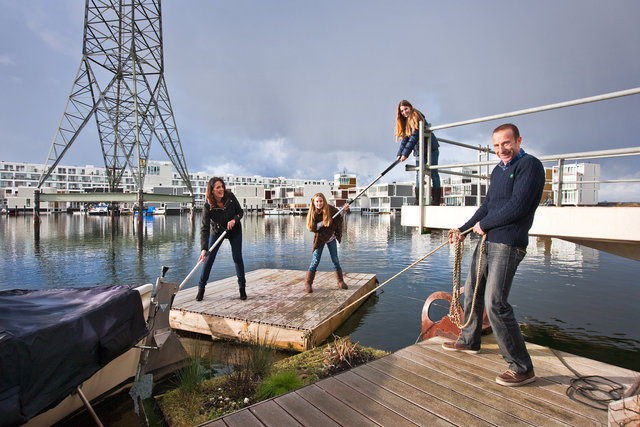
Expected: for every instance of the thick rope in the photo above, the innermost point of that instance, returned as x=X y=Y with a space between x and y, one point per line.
x=455 y=308
x=387 y=281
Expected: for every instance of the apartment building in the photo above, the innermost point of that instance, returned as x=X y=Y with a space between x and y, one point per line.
x=580 y=184
x=19 y=180
x=464 y=190
x=387 y=198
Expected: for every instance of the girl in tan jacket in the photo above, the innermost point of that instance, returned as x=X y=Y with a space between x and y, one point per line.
x=327 y=231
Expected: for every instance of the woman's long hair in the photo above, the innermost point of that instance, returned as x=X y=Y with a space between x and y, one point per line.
x=405 y=126
x=326 y=214
x=209 y=191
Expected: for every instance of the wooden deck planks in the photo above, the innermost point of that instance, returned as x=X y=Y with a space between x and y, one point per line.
x=400 y=405
x=375 y=411
x=425 y=385
x=270 y=414
x=304 y=413
x=336 y=409
x=539 y=396
x=511 y=400
x=277 y=310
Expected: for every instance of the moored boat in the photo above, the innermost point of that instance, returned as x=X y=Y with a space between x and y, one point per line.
x=278 y=212
x=70 y=345
x=98 y=210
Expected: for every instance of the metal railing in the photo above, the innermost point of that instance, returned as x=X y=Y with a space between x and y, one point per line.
x=484 y=152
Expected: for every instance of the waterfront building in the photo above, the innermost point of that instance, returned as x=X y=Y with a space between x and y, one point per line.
x=580 y=184
x=387 y=198
x=18 y=180
x=344 y=188
x=464 y=190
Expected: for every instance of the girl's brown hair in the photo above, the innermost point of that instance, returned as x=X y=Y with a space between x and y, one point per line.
x=326 y=214
x=406 y=125
x=209 y=192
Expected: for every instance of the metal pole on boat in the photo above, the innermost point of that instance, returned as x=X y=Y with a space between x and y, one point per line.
x=391 y=166
x=88 y=405
x=201 y=260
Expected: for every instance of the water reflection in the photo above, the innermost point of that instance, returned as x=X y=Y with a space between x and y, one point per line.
x=577 y=294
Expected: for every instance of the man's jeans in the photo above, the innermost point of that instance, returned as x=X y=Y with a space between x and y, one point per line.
x=498 y=267
x=236 y=254
x=333 y=251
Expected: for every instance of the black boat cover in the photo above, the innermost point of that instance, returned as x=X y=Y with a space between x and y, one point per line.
x=53 y=340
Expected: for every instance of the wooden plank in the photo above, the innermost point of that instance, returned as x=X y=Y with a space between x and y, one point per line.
x=243 y=418
x=467 y=397
x=328 y=404
x=543 y=395
x=303 y=412
x=270 y=414
x=445 y=397
x=239 y=330
x=325 y=303
x=425 y=385
x=473 y=370
x=278 y=311
x=363 y=404
x=406 y=405
x=217 y=423
x=322 y=331
x=554 y=376
x=544 y=355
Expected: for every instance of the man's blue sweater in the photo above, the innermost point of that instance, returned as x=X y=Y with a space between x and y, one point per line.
x=507 y=212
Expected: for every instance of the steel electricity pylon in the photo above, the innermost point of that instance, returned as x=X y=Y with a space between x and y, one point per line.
x=120 y=83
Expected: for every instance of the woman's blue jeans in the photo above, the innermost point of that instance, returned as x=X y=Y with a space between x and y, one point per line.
x=333 y=251
x=236 y=254
x=498 y=267
x=435 y=176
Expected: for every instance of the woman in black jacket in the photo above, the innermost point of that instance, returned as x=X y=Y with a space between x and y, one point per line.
x=221 y=212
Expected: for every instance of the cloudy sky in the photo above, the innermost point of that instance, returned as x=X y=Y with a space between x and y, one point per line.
x=310 y=88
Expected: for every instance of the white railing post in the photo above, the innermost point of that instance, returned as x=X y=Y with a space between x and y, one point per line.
x=427 y=177
x=478 y=181
x=560 y=173
x=421 y=163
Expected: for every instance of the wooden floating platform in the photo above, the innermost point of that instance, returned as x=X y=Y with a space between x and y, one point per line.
x=426 y=385
x=277 y=310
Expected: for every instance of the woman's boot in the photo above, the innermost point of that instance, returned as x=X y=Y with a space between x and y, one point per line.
x=243 y=294
x=200 y=294
x=309 y=281
x=341 y=283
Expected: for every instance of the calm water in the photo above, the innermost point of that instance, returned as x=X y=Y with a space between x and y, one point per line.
x=566 y=296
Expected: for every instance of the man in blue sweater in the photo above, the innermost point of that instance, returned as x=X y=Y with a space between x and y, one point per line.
x=505 y=217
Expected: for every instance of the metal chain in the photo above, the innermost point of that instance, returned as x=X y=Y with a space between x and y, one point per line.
x=455 y=308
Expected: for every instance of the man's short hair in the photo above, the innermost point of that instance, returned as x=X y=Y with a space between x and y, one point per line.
x=514 y=129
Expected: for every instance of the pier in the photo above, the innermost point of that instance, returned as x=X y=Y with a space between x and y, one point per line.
x=610 y=229
x=426 y=385
x=277 y=310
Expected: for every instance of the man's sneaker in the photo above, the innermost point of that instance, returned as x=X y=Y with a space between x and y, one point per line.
x=514 y=379
x=456 y=346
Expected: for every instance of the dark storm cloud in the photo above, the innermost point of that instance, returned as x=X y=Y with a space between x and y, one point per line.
x=307 y=89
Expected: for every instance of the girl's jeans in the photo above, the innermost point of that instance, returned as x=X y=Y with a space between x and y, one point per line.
x=333 y=251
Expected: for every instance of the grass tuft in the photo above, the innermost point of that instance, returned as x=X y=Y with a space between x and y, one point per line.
x=277 y=384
